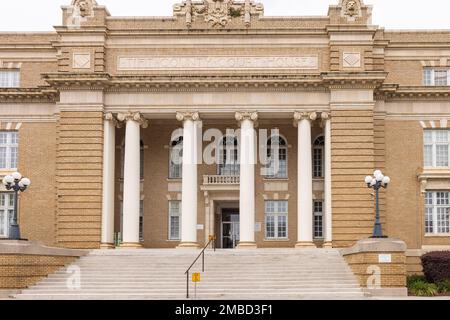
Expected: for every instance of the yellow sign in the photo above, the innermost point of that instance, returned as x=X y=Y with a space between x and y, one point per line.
x=196 y=277
x=211 y=237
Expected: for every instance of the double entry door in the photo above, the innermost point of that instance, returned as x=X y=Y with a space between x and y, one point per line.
x=230 y=229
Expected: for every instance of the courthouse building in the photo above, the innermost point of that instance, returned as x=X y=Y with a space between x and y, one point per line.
x=96 y=112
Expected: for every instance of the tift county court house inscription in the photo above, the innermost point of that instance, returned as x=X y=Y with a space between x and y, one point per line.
x=217 y=62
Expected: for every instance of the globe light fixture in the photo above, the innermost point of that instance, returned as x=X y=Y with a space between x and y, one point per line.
x=376 y=182
x=16 y=183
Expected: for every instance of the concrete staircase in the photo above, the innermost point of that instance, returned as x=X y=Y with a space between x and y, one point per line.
x=229 y=274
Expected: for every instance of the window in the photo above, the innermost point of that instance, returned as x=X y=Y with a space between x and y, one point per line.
x=8 y=149
x=437 y=215
x=276 y=219
x=9 y=79
x=6 y=213
x=228 y=153
x=436 y=77
x=276 y=147
x=174 y=220
x=436 y=148
x=318 y=155
x=318 y=219
x=175 y=161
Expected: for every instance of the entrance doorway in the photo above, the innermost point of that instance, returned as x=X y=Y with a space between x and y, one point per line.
x=229 y=231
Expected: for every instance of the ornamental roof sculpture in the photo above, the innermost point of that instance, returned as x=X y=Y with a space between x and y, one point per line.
x=218 y=13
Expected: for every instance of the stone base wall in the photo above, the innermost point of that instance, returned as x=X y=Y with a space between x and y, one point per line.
x=23 y=263
x=379 y=265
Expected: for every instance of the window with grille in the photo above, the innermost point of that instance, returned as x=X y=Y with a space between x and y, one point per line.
x=276 y=213
x=318 y=219
x=318 y=157
x=228 y=156
x=6 y=213
x=277 y=153
x=436 y=148
x=437 y=216
x=9 y=143
x=174 y=220
x=436 y=77
x=176 y=156
x=9 y=78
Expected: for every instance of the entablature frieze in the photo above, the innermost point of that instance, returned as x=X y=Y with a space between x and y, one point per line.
x=215 y=82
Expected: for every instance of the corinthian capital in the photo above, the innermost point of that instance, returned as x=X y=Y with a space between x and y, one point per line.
x=298 y=116
x=110 y=117
x=241 y=116
x=183 y=116
x=133 y=116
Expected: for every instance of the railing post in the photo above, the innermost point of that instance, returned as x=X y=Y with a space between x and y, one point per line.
x=187 y=285
x=203 y=261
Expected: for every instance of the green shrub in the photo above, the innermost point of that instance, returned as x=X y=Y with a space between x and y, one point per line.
x=444 y=287
x=411 y=280
x=436 y=266
x=423 y=288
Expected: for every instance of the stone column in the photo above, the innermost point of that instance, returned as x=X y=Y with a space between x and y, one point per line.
x=132 y=179
x=328 y=197
x=304 y=180
x=189 y=187
x=109 y=146
x=247 y=179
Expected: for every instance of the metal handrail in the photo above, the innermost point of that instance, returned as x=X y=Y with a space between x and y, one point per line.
x=212 y=240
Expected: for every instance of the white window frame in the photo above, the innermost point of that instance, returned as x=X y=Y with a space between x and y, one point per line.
x=434 y=143
x=174 y=214
x=276 y=214
x=9 y=78
x=317 y=213
x=431 y=204
x=174 y=148
x=429 y=76
x=7 y=211
x=280 y=174
x=321 y=148
x=11 y=143
x=228 y=169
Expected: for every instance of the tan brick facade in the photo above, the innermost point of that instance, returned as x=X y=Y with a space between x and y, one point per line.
x=369 y=81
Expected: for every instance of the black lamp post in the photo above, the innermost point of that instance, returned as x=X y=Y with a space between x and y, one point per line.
x=18 y=184
x=376 y=182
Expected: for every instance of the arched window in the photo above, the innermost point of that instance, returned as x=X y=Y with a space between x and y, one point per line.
x=175 y=158
x=228 y=156
x=318 y=157
x=277 y=154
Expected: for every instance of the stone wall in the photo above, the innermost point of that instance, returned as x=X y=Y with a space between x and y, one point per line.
x=24 y=263
x=379 y=265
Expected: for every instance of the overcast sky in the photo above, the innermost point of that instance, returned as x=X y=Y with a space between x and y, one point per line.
x=41 y=15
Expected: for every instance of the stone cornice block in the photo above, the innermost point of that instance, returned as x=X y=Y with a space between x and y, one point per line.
x=20 y=247
x=376 y=245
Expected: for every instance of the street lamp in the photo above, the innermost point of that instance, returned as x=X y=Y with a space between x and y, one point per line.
x=16 y=183
x=376 y=182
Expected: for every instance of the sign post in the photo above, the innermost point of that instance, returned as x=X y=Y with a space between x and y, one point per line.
x=195 y=279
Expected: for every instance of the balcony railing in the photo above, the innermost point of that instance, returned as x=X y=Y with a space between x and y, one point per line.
x=220 y=180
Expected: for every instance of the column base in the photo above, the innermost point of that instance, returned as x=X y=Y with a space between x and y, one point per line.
x=107 y=246
x=188 y=245
x=130 y=245
x=305 y=244
x=246 y=245
x=328 y=244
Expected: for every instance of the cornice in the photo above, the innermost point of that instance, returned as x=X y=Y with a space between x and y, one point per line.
x=216 y=82
x=36 y=95
x=393 y=92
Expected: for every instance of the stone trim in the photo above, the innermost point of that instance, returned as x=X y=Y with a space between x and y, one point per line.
x=14 y=247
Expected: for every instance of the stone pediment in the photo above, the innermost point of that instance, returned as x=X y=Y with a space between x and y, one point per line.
x=218 y=13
